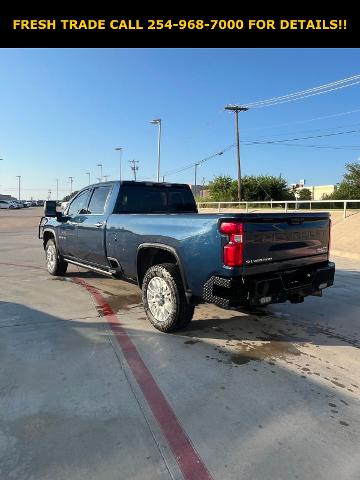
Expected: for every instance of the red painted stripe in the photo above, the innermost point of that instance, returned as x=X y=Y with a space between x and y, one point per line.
x=188 y=459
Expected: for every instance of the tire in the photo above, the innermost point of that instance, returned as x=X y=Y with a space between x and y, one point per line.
x=55 y=265
x=164 y=298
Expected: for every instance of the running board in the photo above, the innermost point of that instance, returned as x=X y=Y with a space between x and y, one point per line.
x=89 y=267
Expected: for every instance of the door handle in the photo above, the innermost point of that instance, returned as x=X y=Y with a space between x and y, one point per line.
x=99 y=224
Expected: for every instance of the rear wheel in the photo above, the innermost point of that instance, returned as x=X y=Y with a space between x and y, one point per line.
x=55 y=265
x=164 y=298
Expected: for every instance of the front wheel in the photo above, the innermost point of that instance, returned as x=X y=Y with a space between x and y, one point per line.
x=55 y=265
x=164 y=298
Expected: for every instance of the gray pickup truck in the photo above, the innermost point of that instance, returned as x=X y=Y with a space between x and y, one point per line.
x=152 y=233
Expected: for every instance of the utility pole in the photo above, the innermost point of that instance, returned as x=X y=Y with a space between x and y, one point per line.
x=101 y=174
x=19 y=178
x=237 y=109
x=134 y=167
x=157 y=121
x=57 y=189
x=120 y=149
x=71 y=184
x=88 y=174
x=196 y=165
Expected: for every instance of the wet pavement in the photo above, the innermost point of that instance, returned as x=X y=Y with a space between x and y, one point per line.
x=261 y=394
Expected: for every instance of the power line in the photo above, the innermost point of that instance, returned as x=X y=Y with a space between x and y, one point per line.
x=284 y=142
x=203 y=160
x=319 y=90
x=265 y=142
x=340 y=114
x=330 y=147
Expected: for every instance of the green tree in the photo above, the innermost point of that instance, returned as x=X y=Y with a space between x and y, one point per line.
x=253 y=188
x=305 y=194
x=265 y=187
x=67 y=198
x=221 y=189
x=349 y=187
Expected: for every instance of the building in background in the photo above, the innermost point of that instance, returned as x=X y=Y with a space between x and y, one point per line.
x=200 y=191
x=6 y=197
x=319 y=191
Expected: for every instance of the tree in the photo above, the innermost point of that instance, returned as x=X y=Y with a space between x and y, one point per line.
x=254 y=188
x=349 y=187
x=265 y=187
x=221 y=189
x=67 y=198
x=304 y=194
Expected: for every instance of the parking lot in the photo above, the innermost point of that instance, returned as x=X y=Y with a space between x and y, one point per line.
x=89 y=390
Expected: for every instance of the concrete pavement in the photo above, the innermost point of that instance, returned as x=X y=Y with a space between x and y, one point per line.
x=264 y=394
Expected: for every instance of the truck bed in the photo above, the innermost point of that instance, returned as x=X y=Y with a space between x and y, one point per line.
x=271 y=241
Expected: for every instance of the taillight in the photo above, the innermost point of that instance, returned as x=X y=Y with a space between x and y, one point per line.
x=234 y=249
x=329 y=236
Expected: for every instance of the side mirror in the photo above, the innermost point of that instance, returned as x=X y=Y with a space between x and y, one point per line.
x=50 y=209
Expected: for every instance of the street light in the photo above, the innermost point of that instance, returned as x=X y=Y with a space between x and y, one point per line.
x=101 y=175
x=19 y=177
x=119 y=149
x=237 y=109
x=88 y=174
x=157 y=121
x=57 y=189
x=71 y=184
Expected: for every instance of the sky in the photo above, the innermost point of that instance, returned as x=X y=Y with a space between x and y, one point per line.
x=63 y=111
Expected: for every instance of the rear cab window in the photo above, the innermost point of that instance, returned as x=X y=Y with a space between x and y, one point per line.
x=155 y=199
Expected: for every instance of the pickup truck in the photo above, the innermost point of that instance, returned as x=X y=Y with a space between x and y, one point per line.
x=152 y=233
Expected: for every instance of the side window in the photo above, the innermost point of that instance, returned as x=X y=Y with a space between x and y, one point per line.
x=78 y=204
x=98 y=200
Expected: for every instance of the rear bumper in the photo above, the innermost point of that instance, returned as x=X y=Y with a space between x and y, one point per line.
x=293 y=285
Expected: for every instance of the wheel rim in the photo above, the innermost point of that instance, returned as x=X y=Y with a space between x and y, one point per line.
x=159 y=299
x=51 y=257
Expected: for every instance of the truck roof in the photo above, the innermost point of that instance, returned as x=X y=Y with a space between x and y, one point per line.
x=143 y=183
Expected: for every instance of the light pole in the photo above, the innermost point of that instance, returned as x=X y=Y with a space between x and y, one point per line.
x=119 y=149
x=88 y=174
x=101 y=175
x=157 y=121
x=237 y=109
x=57 y=189
x=19 y=178
x=71 y=184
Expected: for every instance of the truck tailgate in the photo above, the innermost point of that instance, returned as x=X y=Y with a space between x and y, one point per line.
x=276 y=238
